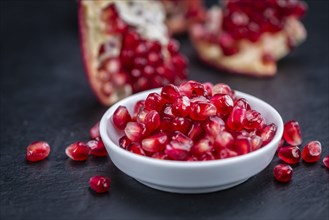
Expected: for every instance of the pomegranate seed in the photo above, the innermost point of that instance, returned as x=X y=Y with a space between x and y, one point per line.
x=97 y=147
x=267 y=133
x=289 y=154
x=256 y=142
x=124 y=142
x=242 y=145
x=213 y=125
x=152 y=120
x=281 y=143
x=202 y=110
x=170 y=93
x=99 y=184
x=326 y=161
x=192 y=89
x=167 y=111
x=311 y=152
x=165 y=124
x=208 y=87
x=155 y=143
x=202 y=147
x=136 y=148
x=181 y=107
x=242 y=103
x=135 y=131
x=226 y=153
x=154 y=102
x=292 y=133
x=160 y=156
x=223 y=140
x=138 y=107
x=223 y=103
x=94 y=131
x=142 y=115
x=253 y=120
x=208 y=156
x=181 y=124
x=121 y=117
x=196 y=131
x=236 y=118
x=78 y=151
x=37 y=151
x=173 y=47
x=221 y=88
x=182 y=138
x=176 y=150
x=283 y=172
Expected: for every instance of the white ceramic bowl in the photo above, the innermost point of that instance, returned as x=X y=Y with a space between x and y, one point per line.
x=189 y=177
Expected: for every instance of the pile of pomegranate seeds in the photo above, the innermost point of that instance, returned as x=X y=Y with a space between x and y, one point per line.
x=37 y=151
x=192 y=122
x=99 y=184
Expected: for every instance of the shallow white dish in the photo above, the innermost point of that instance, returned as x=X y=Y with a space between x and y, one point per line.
x=189 y=177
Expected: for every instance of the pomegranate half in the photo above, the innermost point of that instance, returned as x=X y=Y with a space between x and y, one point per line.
x=248 y=37
x=126 y=48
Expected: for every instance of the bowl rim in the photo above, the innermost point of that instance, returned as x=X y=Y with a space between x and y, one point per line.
x=187 y=164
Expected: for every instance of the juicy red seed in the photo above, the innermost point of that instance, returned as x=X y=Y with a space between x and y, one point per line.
x=173 y=47
x=242 y=145
x=152 y=120
x=97 y=147
x=223 y=140
x=136 y=148
x=167 y=111
x=135 y=131
x=138 y=106
x=236 y=118
x=182 y=138
x=160 y=156
x=154 y=101
x=289 y=154
x=124 y=142
x=326 y=161
x=267 y=133
x=221 y=88
x=208 y=156
x=181 y=124
x=256 y=142
x=181 y=107
x=165 y=124
x=223 y=103
x=196 y=131
x=170 y=93
x=208 y=87
x=37 y=151
x=202 y=110
x=94 y=131
x=121 y=117
x=192 y=89
x=141 y=115
x=292 y=133
x=176 y=150
x=99 y=184
x=202 y=147
x=226 y=153
x=213 y=125
x=311 y=152
x=78 y=151
x=282 y=173
x=242 y=103
x=253 y=120
x=155 y=143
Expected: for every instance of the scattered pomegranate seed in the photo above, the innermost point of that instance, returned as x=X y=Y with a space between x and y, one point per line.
x=283 y=173
x=326 y=161
x=37 y=151
x=311 y=152
x=94 y=131
x=292 y=133
x=99 y=184
x=97 y=147
x=121 y=117
x=290 y=154
x=78 y=151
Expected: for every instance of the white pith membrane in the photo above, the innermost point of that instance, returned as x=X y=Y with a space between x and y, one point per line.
x=145 y=17
x=249 y=58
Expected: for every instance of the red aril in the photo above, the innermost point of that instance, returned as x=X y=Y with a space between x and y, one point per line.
x=283 y=173
x=253 y=120
x=201 y=147
x=311 y=152
x=181 y=106
x=226 y=153
x=242 y=103
x=292 y=133
x=99 y=184
x=135 y=131
x=223 y=103
x=138 y=107
x=177 y=151
x=121 y=117
x=136 y=148
x=94 y=131
x=213 y=125
x=290 y=154
x=152 y=120
x=181 y=124
x=154 y=102
x=192 y=89
x=223 y=140
x=267 y=133
x=78 y=151
x=196 y=131
x=236 y=118
x=97 y=147
x=221 y=88
x=170 y=93
x=242 y=145
x=202 y=110
x=124 y=142
x=155 y=143
x=37 y=151
x=326 y=161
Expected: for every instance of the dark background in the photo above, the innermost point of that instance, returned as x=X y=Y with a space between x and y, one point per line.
x=45 y=95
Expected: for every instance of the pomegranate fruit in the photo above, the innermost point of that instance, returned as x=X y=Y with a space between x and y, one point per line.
x=193 y=122
x=283 y=173
x=311 y=152
x=248 y=38
x=126 y=48
x=37 y=151
x=99 y=184
x=78 y=151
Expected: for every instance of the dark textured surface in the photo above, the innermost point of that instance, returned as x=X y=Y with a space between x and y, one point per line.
x=45 y=95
